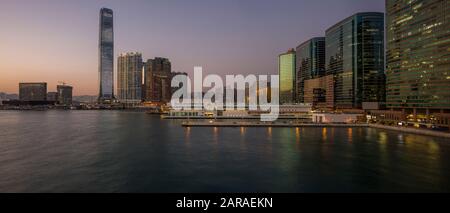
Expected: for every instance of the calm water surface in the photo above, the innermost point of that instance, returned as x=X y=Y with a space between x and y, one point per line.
x=113 y=151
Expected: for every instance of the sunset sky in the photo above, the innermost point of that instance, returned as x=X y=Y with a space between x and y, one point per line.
x=57 y=40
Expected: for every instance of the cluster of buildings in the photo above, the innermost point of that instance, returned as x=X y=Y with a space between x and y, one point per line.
x=392 y=67
x=32 y=94
x=138 y=81
x=395 y=67
x=343 y=70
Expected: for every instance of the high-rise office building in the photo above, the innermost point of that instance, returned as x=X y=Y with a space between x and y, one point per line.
x=33 y=92
x=129 y=77
x=106 y=56
x=418 y=57
x=64 y=94
x=310 y=63
x=286 y=72
x=158 y=77
x=355 y=56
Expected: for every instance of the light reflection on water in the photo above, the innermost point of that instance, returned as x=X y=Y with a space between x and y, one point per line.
x=109 y=151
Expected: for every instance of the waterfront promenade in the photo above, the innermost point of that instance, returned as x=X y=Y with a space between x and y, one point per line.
x=266 y=124
x=322 y=125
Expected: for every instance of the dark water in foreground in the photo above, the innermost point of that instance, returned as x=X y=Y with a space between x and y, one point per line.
x=112 y=151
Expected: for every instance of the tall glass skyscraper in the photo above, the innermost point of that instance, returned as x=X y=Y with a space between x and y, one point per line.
x=310 y=63
x=129 y=77
x=418 y=56
x=106 y=56
x=286 y=71
x=355 y=56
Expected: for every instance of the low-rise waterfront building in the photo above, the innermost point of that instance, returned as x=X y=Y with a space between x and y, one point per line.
x=235 y=113
x=33 y=92
x=293 y=109
x=336 y=118
x=442 y=120
x=52 y=96
x=319 y=92
x=191 y=113
x=387 y=116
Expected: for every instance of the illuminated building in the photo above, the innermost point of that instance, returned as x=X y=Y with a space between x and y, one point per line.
x=106 y=56
x=310 y=62
x=158 y=77
x=286 y=71
x=355 y=56
x=418 y=57
x=129 y=77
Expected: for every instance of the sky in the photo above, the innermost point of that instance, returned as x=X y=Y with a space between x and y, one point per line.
x=57 y=40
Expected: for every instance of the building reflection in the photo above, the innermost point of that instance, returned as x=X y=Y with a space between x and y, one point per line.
x=269 y=132
x=242 y=131
x=324 y=134
x=297 y=135
x=350 y=135
x=187 y=132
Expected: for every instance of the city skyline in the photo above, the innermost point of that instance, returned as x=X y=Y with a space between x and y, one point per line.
x=225 y=96
x=76 y=63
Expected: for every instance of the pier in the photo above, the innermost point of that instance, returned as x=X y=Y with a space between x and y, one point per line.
x=321 y=125
x=267 y=124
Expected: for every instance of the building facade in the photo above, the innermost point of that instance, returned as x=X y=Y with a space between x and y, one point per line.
x=106 y=56
x=65 y=93
x=320 y=92
x=418 y=57
x=33 y=92
x=158 y=77
x=52 y=97
x=286 y=72
x=129 y=77
x=355 y=56
x=310 y=63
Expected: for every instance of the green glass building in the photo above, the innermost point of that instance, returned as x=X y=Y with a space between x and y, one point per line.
x=355 y=56
x=310 y=61
x=286 y=71
x=418 y=56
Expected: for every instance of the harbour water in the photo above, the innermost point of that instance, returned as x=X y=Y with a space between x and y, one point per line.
x=117 y=151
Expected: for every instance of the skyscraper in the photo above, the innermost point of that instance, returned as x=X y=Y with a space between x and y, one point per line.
x=158 y=77
x=64 y=94
x=418 y=57
x=286 y=71
x=129 y=77
x=355 y=56
x=106 y=56
x=310 y=61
